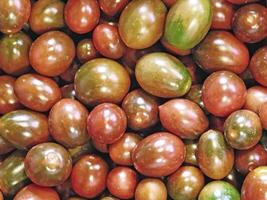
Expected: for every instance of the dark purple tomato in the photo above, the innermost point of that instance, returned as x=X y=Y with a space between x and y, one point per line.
x=121 y=151
x=78 y=152
x=35 y=192
x=141 y=109
x=47 y=15
x=12 y=174
x=112 y=7
x=247 y=160
x=159 y=154
x=184 y=118
x=103 y=148
x=14 y=14
x=233 y=178
x=249 y=23
x=217 y=123
x=151 y=189
x=223 y=93
x=69 y=74
x=107 y=41
x=14 y=51
x=263 y=115
x=221 y=50
x=101 y=80
x=195 y=95
x=141 y=23
x=52 y=53
x=24 y=129
x=215 y=157
x=89 y=175
x=223 y=13
x=37 y=92
x=185 y=183
x=256 y=96
x=67 y=123
x=68 y=91
x=106 y=123
x=191 y=149
x=86 y=14
x=121 y=182
x=242 y=129
x=242 y=1
x=48 y=164
x=86 y=50
x=258 y=65
x=5 y=146
x=255 y=185
x=8 y=100
x=169 y=3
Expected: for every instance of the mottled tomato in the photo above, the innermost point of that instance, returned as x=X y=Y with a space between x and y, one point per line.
x=121 y=182
x=163 y=75
x=5 y=146
x=86 y=14
x=8 y=100
x=169 y=3
x=47 y=15
x=86 y=50
x=141 y=23
x=106 y=123
x=247 y=160
x=220 y=50
x=233 y=178
x=223 y=92
x=195 y=95
x=14 y=14
x=255 y=185
x=151 y=189
x=217 y=123
x=215 y=157
x=24 y=129
x=14 y=51
x=67 y=123
x=141 y=109
x=69 y=74
x=183 y=118
x=52 y=53
x=191 y=149
x=35 y=192
x=256 y=96
x=103 y=148
x=159 y=154
x=89 y=175
x=249 y=23
x=242 y=129
x=263 y=115
x=78 y=152
x=219 y=190
x=48 y=164
x=37 y=92
x=112 y=7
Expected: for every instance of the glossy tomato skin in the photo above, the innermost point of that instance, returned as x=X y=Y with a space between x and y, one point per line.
x=233 y=178
x=219 y=190
x=214 y=153
x=8 y=100
x=256 y=96
x=179 y=31
x=86 y=14
x=37 y=92
x=247 y=160
x=68 y=91
x=12 y=174
x=5 y=146
x=14 y=49
x=163 y=147
x=151 y=189
x=195 y=95
x=101 y=80
x=48 y=164
x=249 y=23
x=221 y=50
x=89 y=166
x=86 y=50
x=163 y=75
x=254 y=185
x=223 y=85
x=78 y=152
x=69 y=74
x=106 y=123
x=103 y=148
x=121 y=151
x=112 y=7
x=141 y=29
x=14 y=14
x=141 y=109
x=35 y=192
x=67 y=123
x=258 y=66
x=242 y=129
x=191 y=149
x=121 y=182
x=176 y=114
x=223 y=12
x=217 y=123
x=24 y=129
x=169 y=3
x=263 y=115
x=47 y=15
x=52 y=53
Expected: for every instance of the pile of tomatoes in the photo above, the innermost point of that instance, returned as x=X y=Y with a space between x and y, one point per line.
x=133 y=99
